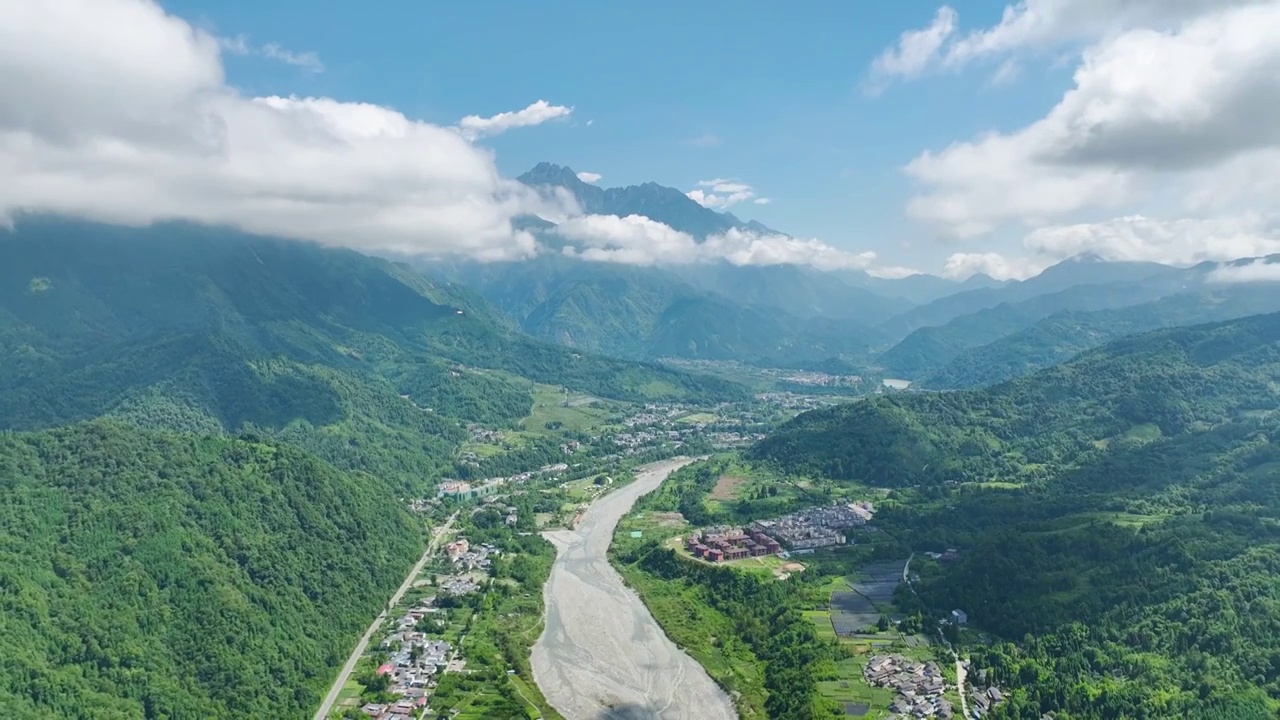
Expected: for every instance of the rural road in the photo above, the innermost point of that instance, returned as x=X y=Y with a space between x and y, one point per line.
x=601 y=655
x=336 y=689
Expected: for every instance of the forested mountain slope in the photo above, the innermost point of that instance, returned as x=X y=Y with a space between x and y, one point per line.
x=1064 y=335
x=708 y=313
x=361 y=361
x=147 y=574
x=1168 y=383
x=1117 y=520
x=928 y=349
x=1073 y=272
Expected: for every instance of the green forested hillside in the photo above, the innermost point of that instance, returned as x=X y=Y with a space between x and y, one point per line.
x=1073 y=272
x=363 y=362
x=928 y=349
x=1166 y=383
x=1117 y=520
x=148 y=574
x=705 y=313
x=1061 y=336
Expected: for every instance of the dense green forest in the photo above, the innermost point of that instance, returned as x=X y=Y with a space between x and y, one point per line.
x=363 y=362
x=1166 y=383
x=1118 y=520
x=167 y=576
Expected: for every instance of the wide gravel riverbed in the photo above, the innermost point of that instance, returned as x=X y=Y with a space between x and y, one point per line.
x=602 y=656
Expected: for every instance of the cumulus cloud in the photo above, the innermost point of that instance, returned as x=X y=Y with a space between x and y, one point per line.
x=1172 y=242
x=915 y=52
x=1031 y=26
x=1135 y=238
x=239 y=45
x=474 y=126
x=114 y=110
x=589 y=177
x=719 y=194
x=964 y=265
x=762 y=201
x=638 y=240
x=1254 y=272
x=1146 y=107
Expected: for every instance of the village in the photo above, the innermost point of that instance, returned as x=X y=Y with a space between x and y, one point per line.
x=799 y=532
x=414 y=651
x=920 y=686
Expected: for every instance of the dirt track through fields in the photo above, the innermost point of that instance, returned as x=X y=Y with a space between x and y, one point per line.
x=602 y=656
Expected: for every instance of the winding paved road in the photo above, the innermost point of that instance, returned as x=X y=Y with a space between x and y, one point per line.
x=602 y=656
x=350 y=666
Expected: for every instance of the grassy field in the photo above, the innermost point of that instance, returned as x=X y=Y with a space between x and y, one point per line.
x=349 y=697
x=852 y=688
x=698 y=419
x=1070 y=523
x=555 y=409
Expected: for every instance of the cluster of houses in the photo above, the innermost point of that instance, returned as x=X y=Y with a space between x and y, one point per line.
x=982 y=699
x=466 y=557
x=792 y=401
x=413 y=668
x=919 y=686
x=463 y=490
x=485 y=435
x=817 y=527
x=730 y=543
x=733 y=439
x=820 y=379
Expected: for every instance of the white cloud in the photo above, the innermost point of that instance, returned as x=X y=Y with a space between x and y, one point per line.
x=1256 y=271
x=589 y=177
x=239 y=45
x=892 y=272
x=1146 y=107
x=474 y=126
x=1172 y=242
x=721 y=193
x=1008 y=72
x=963 y=265
x=1181 y=242
x=1040 y=25
x=638 y=240
x=762 y=201
x=1031 y=26
x=915 y=52
x=114 y=110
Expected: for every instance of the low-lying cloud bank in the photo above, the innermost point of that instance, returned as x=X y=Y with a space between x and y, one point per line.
x=116 y=111
x=638 y=240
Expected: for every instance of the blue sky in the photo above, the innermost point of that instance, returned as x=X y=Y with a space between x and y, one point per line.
x=768 y=93
x=974 y=136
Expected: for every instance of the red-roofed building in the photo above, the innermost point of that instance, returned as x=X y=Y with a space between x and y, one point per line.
x=386 y=669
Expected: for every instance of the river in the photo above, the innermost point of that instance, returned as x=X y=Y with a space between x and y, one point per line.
x=602 y=656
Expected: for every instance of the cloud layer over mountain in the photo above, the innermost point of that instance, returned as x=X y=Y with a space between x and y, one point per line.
x=1171 y=105
x=116 y=111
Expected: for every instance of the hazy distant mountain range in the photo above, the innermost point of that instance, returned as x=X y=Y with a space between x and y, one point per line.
x=919 y=327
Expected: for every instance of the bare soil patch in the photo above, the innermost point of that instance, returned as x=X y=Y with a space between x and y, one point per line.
x=727 y=487
x=668 y=519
